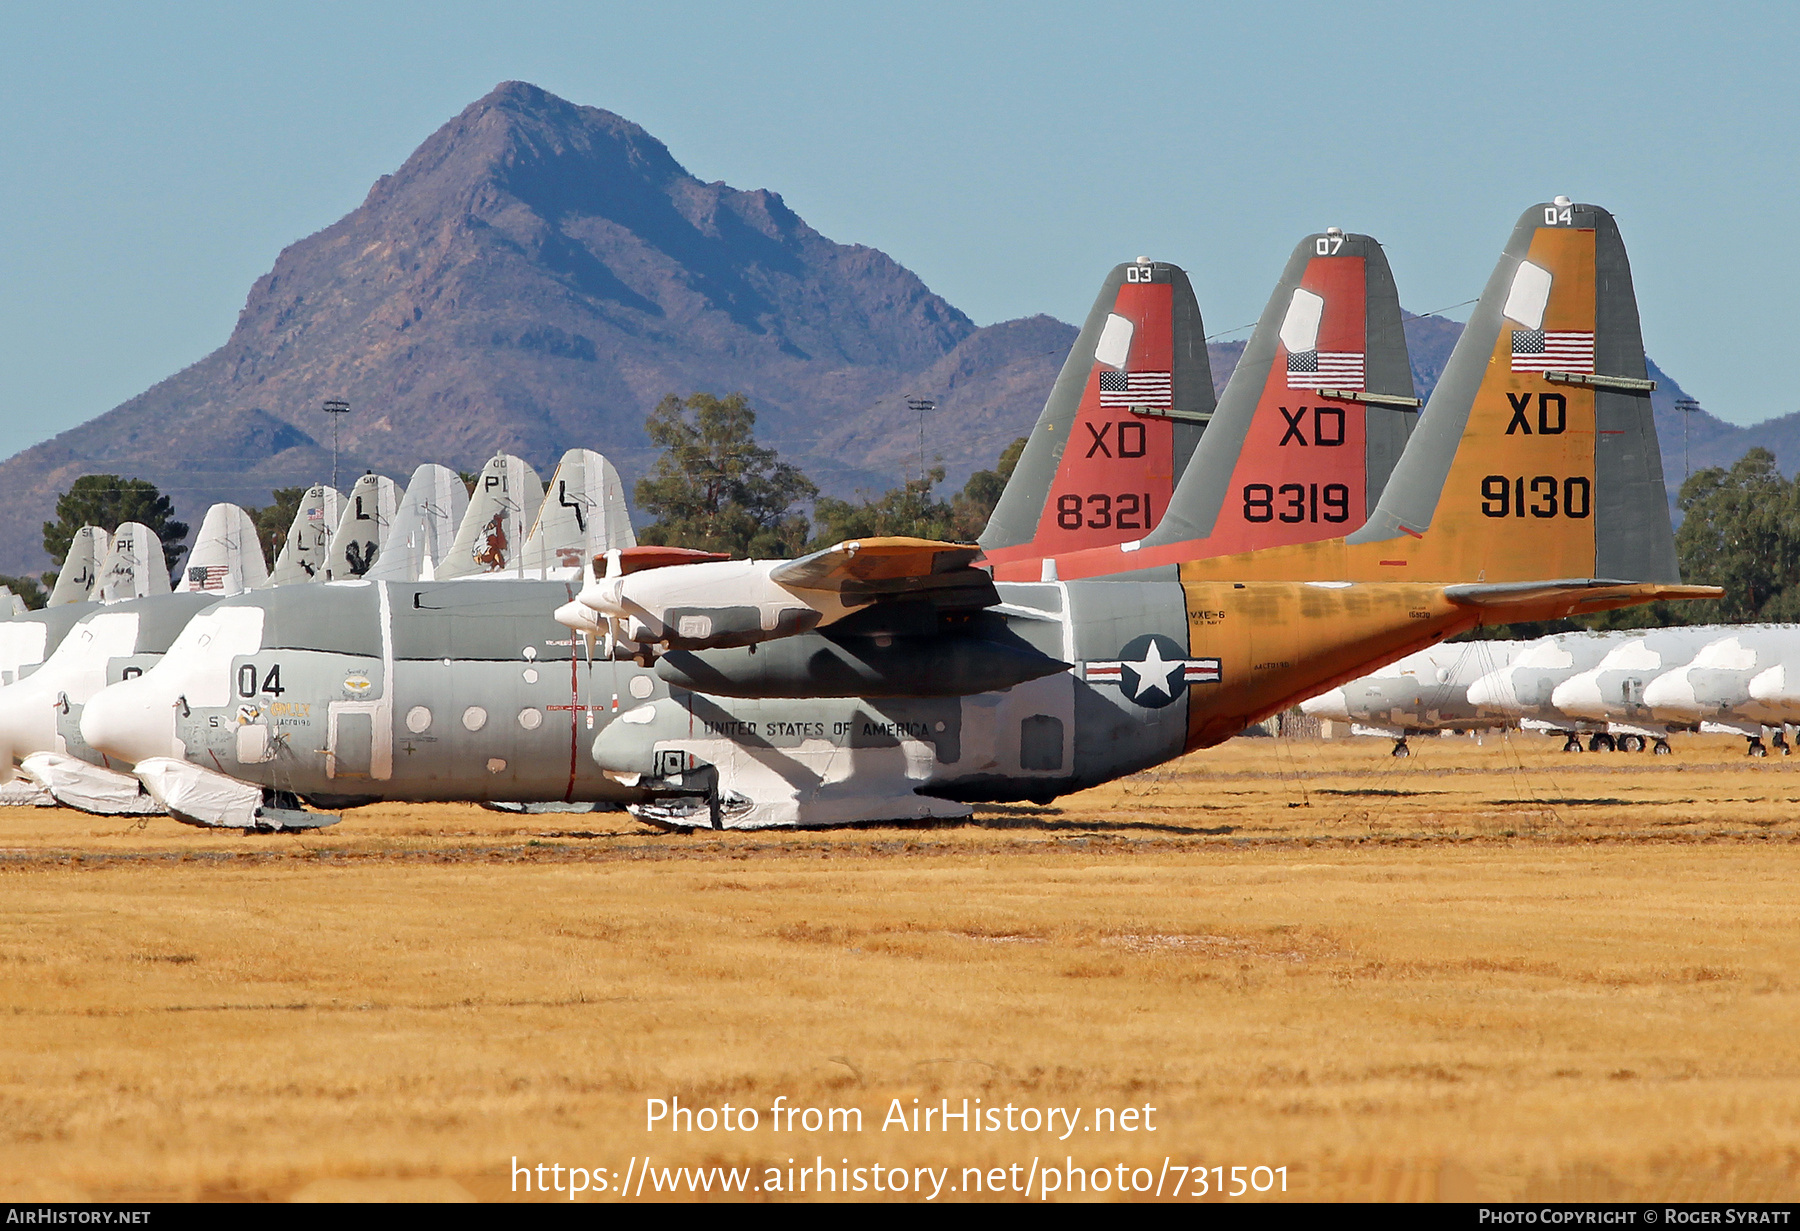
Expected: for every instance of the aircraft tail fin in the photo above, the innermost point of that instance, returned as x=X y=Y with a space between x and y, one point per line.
x=368 y=516
x=227 y=558
x=1537 y=452
x=1536 y=456
x=583 y=514
x=1118 y=428
x=424 y=526
x=507 y=496
x=81 y=567
x=1315 y=414
x=307 y=551
x=135 y=567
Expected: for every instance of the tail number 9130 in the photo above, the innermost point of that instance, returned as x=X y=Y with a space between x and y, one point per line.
x=1544 y=496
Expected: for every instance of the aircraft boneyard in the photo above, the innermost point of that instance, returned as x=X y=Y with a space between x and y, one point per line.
x=1530 y=490
x=308 y=675
x=41 y=712
x=1427 y=691
x=1720 y=687
x=1612 y=691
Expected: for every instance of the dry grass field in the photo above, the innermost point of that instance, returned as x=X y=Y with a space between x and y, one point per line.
x=1487 y=971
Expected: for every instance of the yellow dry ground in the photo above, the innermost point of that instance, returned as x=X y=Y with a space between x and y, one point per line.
x=1488 y=971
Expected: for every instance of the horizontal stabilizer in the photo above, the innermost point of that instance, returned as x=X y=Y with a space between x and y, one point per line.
x=1546 y=600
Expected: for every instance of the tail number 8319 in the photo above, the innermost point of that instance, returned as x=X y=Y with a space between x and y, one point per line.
x=1544 y=496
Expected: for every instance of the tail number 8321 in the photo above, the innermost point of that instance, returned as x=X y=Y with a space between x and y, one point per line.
x=1544 y=496
x=1128 y=511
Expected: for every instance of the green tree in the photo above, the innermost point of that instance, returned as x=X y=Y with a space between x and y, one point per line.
x=26 y=588
x=108 y=501
x=1741 y=530
x=908 y=509
x=274 y=520
x=911 y=509
x=974 y=504
x=714 y=487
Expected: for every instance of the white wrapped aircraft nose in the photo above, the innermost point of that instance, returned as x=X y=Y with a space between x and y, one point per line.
x=1579 y=695
x=1671 y=695
x=1771 y=686
x=132 y=720
x=136 y=719
x=1332 y=705
x=1493 y=693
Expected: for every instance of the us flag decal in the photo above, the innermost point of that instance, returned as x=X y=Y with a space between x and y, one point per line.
x=1325 y=369
x=1551 y=350
x=1126 y=389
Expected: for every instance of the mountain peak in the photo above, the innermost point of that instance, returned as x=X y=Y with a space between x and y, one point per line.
x=536 y=275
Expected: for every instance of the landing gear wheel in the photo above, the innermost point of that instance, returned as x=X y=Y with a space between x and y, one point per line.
x=1661 y=749
x=1631 y=743
x=1601 y=742
x=1780 y=741
x=1400 y=749
x=1756 y=748
x=1572 y=744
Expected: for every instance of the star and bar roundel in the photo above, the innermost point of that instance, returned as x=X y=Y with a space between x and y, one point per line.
x=1152 y=670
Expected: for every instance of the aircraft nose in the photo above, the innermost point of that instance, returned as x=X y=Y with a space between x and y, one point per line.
x=1493 y=694
x=1579 y=696
x=1671 y=694
x=1772 y=686
x=131 y=721
x=1330 y=705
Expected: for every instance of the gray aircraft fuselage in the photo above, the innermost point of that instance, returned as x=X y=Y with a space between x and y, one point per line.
x=469 y=690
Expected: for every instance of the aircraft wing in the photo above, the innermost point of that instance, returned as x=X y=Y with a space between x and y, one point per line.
x=867 y=570
x=891 y=562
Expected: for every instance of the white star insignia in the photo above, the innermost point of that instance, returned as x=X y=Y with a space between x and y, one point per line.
x=1153 y=672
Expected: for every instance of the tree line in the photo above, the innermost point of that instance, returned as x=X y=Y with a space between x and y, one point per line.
x=716 y=489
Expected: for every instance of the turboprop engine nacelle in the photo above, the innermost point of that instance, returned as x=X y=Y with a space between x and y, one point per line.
x=713 y=605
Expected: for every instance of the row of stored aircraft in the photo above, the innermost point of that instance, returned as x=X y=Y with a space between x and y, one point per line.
x=1163 y=568
x=1626 y=689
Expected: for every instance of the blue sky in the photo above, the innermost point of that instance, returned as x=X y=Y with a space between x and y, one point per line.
x=157 y=158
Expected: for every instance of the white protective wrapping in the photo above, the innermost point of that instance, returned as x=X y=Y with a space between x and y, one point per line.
x=24 y=793
x=89 y=788
x=200 y=796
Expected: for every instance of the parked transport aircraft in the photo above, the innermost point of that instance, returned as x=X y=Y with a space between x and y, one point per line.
x=890 y=678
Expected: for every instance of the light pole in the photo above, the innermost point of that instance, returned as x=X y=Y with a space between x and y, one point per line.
x=337 y=408
x=1686 y=406
x=921 y=407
